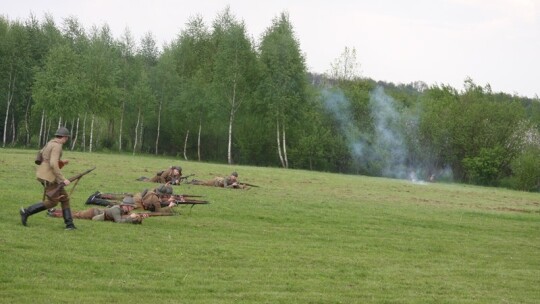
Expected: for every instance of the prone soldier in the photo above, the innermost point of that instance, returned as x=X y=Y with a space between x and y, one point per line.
x=118 y=213
x=230 y=181
x=172 y=176
x=159 y=200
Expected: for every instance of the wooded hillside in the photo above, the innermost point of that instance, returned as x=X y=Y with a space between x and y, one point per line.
x=216 y=94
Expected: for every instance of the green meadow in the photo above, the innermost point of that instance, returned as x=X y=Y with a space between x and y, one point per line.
x=301 y=237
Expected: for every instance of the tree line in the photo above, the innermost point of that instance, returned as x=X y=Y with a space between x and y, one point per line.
x=216 y=94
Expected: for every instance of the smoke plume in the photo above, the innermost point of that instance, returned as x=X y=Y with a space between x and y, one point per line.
x=380 y=152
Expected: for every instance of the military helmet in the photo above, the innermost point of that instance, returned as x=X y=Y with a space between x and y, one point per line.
x=128 y=201
x=62 y=131
x=164 y=189
x=234 y=174
x=177 y=168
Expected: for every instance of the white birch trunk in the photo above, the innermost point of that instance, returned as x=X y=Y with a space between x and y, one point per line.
x=136 y=131
x=185 y=145
x=11 y=87
x=229 y=148
x=231 y=120
x=279 y=144
x=285 y=148
x=121 y=125
x=26 y=126
x=141 y=133
x=12 y=129
x=199 y=140
x=84 y=133
x=41 y=129
x=74 y=141
x=159 y=125
x=91 y=133
x=48 y=131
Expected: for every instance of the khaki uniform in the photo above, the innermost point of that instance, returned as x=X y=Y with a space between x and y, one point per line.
x=150 y=201
x=114 y=214
x=224 y=182
x=49 y=175
x=166 y=176
x=87 y=214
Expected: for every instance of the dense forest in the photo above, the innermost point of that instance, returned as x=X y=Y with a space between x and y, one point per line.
x=216 y=94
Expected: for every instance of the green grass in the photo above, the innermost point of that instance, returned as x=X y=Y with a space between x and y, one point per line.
x=302 y=237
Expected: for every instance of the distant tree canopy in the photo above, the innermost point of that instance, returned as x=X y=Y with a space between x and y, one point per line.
x=216 y=94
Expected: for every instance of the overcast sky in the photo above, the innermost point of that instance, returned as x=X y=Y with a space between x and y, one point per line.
x=435 y=41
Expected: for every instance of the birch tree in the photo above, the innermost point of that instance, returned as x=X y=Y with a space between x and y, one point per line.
x=283 y=86
x=234 y=69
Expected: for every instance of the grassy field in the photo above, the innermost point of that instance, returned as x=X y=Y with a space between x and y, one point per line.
x=302 y=237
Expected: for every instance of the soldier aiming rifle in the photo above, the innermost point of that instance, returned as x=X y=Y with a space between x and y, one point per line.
x=230 y=181
x=172 y=176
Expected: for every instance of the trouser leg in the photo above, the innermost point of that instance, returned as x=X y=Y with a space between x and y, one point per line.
x=68 y=220
x=33 y=209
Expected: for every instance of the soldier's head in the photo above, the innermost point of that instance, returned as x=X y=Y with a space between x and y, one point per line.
x=164 y=190
x=177 y=170
x=128 y=203
x=234 y=176
x=62 y=133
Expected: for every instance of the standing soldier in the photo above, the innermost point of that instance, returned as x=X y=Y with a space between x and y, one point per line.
x=49 y=175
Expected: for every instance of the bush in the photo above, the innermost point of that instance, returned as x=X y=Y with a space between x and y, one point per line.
x=485 y=168
x=526 y=170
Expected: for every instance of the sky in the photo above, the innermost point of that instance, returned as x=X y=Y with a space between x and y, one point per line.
x=439 y=42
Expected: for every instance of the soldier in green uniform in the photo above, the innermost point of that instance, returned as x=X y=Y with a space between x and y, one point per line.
x=117 y=213
x=171 y=176
x=49 y=175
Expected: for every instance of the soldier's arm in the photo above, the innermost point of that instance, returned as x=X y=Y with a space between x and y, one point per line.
x=116 y=214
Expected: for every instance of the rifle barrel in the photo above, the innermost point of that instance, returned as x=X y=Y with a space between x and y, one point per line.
x=53 y=192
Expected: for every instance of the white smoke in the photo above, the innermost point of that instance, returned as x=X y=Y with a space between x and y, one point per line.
x=340 y=107
x=389 y=138
x=382 y=153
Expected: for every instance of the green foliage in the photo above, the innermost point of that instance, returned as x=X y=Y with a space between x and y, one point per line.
x=57 y=88
x=526 y=170
x=485 y=168
x=301 y=237
x=135 y=95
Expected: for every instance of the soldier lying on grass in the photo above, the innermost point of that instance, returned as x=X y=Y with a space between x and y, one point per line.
x=159 y=199
x=230 y=181
x=118 y=213
x=171 y=176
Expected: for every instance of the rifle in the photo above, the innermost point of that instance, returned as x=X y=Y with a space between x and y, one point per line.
x=149 y=214
x=177 y=181
x=191 y=202
x=52 y=193
x=181 y=196
x=186 y=177
x=186 y=202
x=250 y=185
